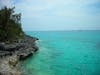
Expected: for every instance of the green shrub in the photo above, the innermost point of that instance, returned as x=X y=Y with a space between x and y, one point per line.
x=10 y=25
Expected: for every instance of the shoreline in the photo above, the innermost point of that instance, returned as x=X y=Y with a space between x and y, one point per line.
x=11 y=54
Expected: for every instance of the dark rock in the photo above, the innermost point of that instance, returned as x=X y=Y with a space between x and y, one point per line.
x=25 y=47
x=35 y=48
x=2 y=46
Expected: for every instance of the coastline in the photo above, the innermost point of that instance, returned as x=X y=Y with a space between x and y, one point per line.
x=11 y=54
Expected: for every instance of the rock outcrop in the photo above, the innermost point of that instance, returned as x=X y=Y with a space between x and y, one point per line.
x=11 y=53
x=8 y=66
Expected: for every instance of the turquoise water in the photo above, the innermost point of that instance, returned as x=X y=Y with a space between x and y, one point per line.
x=65 y=53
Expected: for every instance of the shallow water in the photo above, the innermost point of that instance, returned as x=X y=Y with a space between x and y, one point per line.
x=65 y=53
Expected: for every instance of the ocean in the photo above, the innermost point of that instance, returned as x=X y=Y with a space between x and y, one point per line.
x=64 y=53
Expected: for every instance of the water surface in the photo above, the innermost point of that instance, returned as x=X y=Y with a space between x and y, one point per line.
x=65 y=53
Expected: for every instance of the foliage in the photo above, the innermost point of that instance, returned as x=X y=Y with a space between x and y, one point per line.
x=10 y=25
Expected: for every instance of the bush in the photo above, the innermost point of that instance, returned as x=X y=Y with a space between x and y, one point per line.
x=10 y=25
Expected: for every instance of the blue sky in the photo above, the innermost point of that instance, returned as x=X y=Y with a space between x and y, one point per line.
x=44 y=15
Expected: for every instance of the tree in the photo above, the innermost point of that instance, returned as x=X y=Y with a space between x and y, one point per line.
x=10 y=24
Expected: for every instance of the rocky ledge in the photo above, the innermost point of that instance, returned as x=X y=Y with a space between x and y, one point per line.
x=11 y=53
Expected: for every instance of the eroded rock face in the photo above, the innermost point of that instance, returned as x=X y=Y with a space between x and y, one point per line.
x=10 y=54
x=13 y=61
x=9 y=73
x=8 y=66
x=24 y=47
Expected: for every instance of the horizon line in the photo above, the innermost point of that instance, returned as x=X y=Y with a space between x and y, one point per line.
x=64 y=30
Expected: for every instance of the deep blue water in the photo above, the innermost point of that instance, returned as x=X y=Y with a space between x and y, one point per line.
x=65 y=53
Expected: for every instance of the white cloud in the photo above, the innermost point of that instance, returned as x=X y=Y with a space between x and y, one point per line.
x=35 y=6
x=54 y=11
x=60 y=13
x=8 y=3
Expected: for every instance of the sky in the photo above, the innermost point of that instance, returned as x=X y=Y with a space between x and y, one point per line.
x=44 y=15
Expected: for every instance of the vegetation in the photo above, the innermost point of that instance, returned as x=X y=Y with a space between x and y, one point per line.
x=10 y=25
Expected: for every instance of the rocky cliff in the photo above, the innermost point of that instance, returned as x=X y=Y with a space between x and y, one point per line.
x=12 y=53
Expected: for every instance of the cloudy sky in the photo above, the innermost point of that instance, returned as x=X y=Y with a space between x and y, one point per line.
x=40 y=15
